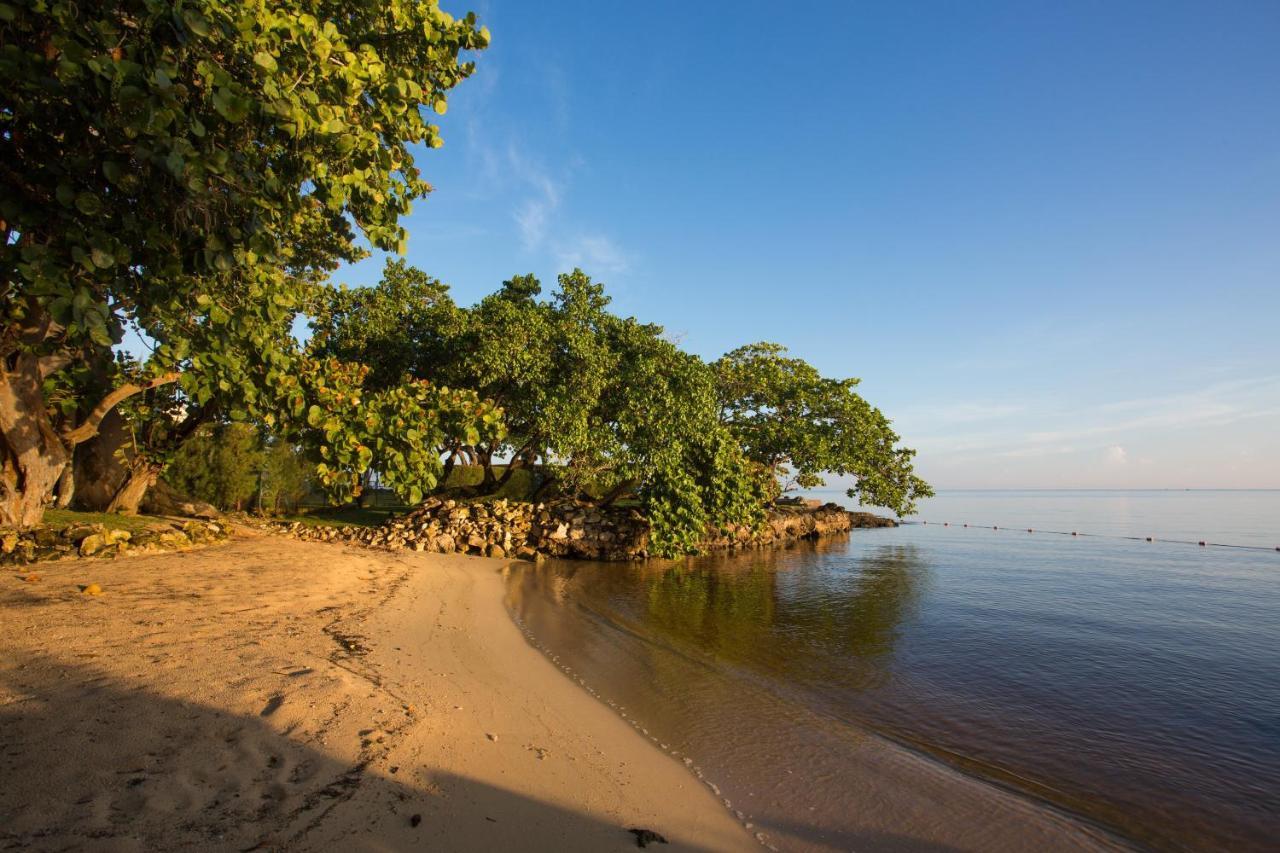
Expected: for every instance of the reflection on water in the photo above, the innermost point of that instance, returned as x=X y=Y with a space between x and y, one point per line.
x=1134 y=684
x=768 y=612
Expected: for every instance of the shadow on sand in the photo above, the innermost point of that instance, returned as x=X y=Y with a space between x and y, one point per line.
x=89 y=763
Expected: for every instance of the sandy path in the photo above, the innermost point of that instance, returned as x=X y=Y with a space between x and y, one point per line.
x=274 y=694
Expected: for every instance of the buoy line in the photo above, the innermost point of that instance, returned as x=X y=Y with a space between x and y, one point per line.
x=1198 y=542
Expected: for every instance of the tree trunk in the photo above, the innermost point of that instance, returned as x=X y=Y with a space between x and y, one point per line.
x=615 y=493
x=32 y=455
x=449 y=462
x=490 y=482
x=99 y=467
x=545 y=486
x=66 y=485
x=142 y=476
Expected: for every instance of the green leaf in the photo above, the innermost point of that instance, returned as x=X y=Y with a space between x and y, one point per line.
x=196 y=23
x=265 y=61
x=88 y=204
x=102 y=259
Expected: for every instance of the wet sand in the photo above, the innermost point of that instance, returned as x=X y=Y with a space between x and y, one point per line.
x=273 y=694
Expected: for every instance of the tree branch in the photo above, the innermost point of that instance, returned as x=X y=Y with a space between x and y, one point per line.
x=89 y=428
x=51 y=364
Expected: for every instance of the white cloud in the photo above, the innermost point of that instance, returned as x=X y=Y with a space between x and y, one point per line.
x=1116 y=455
x=594 y=253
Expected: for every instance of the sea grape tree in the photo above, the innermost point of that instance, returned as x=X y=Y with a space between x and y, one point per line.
x=801 y=426
x=185 y=169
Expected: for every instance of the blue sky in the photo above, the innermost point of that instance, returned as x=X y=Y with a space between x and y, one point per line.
x=1045 y=235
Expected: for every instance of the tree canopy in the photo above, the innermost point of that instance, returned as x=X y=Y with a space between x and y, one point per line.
x=189 y=171
x=610 y=407
x=801 y=425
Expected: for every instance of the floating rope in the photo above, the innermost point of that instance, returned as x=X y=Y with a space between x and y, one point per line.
x=1199 y=542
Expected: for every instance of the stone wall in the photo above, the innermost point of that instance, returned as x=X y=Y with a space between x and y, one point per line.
x=567 y=529
x=35 y=544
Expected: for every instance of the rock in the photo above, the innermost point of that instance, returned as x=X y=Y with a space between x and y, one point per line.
x=91 y=589
x=93 y=544
x=496 y=551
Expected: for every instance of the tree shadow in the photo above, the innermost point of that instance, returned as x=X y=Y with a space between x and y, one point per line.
x=88 y=762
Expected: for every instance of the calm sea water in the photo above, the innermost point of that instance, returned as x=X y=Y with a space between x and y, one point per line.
x=1133 y=684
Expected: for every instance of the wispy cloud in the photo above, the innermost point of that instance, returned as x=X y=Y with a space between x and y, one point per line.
x=595 y=253
x=1051 y=428
x=507 y=166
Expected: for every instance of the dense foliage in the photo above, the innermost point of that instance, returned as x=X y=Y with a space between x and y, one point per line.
x=800 y=425
x=188 y=171
x=234 y=466
x=607 y=407
x=191 y=172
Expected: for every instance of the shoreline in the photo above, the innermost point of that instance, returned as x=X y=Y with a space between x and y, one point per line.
x=271 y=694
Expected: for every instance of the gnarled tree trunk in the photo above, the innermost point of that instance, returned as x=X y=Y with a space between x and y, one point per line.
x=100 y=469
x=142 y=476
x=32 y=454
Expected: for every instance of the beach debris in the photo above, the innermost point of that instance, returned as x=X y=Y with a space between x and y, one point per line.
x=91 y=589
x=273 y=705
x=414 y=820
x=645 y=837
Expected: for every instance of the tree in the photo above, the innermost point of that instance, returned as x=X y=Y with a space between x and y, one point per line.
x=221 y=464
x=405 y=326
x=286 y=476
x=187 y=171
x=800 y=425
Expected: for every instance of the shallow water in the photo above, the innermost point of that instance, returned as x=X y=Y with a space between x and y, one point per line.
x=1135 y=684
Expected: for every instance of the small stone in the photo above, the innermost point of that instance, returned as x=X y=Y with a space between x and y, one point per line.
x=491 y=736
x=91 y=589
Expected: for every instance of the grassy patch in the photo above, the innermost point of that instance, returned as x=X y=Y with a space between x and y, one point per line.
x=60 y=518
x=346 y=516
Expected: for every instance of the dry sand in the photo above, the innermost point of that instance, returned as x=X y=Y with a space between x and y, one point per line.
x=273 y=694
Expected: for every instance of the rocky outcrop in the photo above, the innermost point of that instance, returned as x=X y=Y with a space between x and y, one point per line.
x=35 y=544
x=567 y=529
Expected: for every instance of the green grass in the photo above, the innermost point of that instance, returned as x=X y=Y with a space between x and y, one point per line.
x=346 y=516
x=60 y=518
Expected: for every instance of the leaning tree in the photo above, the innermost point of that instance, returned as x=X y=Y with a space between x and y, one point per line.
x=183 y=170
x=802 y=426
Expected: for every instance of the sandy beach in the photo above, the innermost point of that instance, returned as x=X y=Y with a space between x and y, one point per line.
x=274 y=694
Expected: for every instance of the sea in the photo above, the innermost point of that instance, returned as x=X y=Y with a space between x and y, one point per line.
x=1074 y=653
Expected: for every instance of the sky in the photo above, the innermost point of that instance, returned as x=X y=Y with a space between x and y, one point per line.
x=1045 y=235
